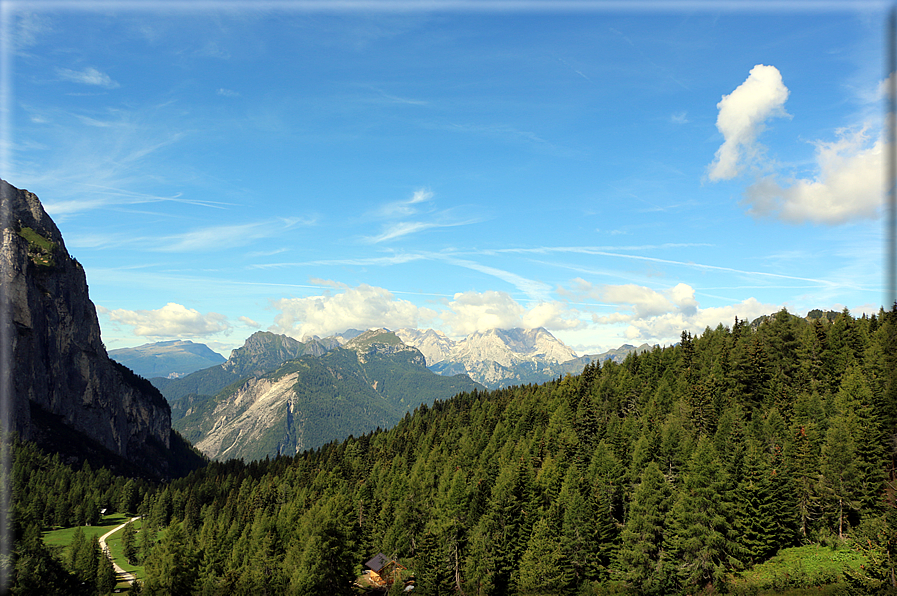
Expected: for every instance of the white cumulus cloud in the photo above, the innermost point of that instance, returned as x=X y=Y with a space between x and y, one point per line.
x=356 y=308
x=480 y=311
x=660 y=316
x=848 y=186
x=172 y=320
x=668 y=327
x=742 y=116
x=250 y=322
x=367 y=306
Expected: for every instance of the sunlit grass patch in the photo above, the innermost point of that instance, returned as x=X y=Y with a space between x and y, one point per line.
x=810 y=569
x=62 y=537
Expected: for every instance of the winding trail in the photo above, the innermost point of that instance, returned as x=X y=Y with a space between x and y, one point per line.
x=121 y=573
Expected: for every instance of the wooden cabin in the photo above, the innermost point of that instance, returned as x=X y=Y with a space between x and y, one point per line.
x=381 y=573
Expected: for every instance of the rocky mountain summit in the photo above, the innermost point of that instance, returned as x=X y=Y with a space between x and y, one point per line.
x=502 y=357
x=62 y=381
x=497 y=357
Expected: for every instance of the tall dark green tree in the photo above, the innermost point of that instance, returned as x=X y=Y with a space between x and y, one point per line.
x=703 y=537
x=642 y=539
x=129 y=543
x=171 y=566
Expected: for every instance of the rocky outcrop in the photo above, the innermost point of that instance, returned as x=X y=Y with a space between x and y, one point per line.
x=382 y=342
x=435 y=345
x=264 y=350
x=58 y=362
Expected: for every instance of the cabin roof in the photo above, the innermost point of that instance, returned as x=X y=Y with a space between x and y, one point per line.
x=378 y=562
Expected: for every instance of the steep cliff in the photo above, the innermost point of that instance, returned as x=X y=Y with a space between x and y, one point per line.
x=59 y=367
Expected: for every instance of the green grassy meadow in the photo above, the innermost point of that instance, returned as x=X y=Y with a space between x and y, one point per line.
x=809 y=569
x=62 y=537
x=59 y=540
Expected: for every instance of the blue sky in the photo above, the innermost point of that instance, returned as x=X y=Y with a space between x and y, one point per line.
x=613 y=176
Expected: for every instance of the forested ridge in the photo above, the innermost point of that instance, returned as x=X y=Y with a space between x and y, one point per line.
x=665 y=474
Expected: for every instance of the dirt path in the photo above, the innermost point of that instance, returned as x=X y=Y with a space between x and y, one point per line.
x=121 y=573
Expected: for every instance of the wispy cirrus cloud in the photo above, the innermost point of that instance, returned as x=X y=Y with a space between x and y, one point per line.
x=602 y=251
x=98 y=196
x=534 y=289
x=421 y=208
x=399 y=100
x=405 y=228
x=407 y=207
x=214 y=238
x=87 y=76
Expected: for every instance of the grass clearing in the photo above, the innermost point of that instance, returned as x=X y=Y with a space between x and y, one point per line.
x=62 y=537
x=59 y=540
x=810 y=569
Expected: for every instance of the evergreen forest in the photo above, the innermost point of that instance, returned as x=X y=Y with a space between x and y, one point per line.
x=670 y=473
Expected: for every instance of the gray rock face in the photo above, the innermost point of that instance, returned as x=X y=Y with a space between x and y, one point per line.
x=58 y=360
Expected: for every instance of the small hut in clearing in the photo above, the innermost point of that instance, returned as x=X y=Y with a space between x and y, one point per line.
x=381 y=573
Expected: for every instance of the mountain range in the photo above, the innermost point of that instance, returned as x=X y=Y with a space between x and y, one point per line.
x=276 y=395
x=495 y=358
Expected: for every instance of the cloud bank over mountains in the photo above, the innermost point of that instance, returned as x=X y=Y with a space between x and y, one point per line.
x=642 y=314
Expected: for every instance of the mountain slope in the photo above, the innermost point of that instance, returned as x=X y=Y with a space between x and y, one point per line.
x=312 y=400
x=167 y=358
x=61 y=372
x=260 y=353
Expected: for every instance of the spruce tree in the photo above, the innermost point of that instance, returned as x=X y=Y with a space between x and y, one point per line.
x=703 y=536
x=642 y=538
x=756 y=515
x=171 y=567
x=105 y=575
x=543 y=566
x=129 y=542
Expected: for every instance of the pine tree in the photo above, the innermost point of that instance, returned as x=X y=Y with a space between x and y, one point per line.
x=129 y=542
x=105 y=575
x=702 y=537
x=643 y=534
x=171 y=567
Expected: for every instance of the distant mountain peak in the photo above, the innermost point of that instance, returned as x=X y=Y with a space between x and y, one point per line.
x=372 y=336
x=172 y=358
x=493 y=356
